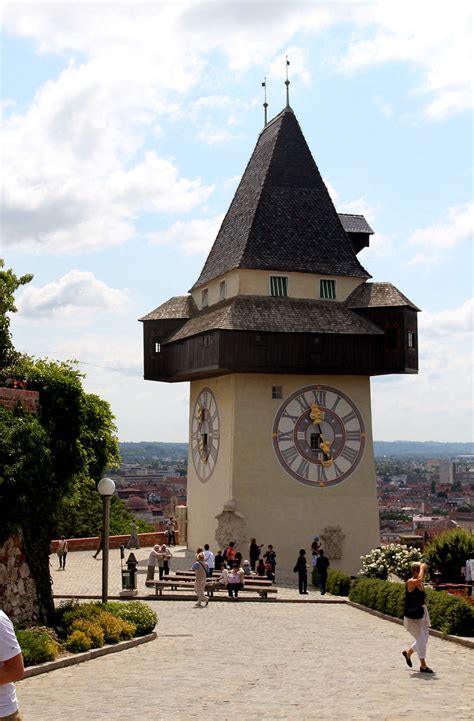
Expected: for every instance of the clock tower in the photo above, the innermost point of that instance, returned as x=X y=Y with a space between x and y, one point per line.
x=279 y=337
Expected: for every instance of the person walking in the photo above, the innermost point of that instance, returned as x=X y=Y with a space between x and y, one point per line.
x=322 y=565
x=200 y=567
x=254 y=553
x=62 y=553
x=11 y=669
x=100 y=541
x=301 y=568
x=416 y=618
x=170 y=530
x=209 y=559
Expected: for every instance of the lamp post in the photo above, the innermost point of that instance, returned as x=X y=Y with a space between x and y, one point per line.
x=106 y=488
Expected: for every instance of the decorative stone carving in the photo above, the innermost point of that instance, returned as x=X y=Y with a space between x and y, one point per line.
x=231 y=526
x=333 y=538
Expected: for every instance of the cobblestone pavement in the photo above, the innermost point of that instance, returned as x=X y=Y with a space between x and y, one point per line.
x=257 y=662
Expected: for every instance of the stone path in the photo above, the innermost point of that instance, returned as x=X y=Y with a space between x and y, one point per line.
x=257 y=662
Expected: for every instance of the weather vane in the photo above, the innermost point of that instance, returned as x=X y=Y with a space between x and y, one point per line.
x=287 y=83
x=265 y=104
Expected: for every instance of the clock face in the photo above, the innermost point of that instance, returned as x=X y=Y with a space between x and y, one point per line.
x=319 y=436
x=205 y=434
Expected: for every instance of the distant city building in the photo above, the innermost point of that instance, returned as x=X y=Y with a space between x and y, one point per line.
x=447 y=472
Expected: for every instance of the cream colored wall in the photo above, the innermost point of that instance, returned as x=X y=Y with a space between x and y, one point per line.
x=257 y=282
x=277 y=508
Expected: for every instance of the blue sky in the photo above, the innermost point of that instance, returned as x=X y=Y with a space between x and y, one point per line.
x=126 y=128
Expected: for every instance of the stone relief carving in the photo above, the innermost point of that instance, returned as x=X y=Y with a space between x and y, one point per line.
x=231 y=526
x=333 y=538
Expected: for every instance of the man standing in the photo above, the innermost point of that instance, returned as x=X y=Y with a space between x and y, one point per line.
x=200 y=567
x=209 y=559
x=11 y=669
x=322 y=564
x=170 y=529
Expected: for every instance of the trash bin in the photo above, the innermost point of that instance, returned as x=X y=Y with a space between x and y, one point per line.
x=129 y=574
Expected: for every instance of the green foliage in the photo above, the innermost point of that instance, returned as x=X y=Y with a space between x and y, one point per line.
x=449 y=614
x=338 y=583
x=9 y=283
x=448 y=553
x=115 y=629
x=78 y=641
x=136 y=612
x=91 y=629
x=38 y=645
x=394 y=558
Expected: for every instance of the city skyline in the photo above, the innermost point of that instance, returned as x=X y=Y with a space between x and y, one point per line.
x=126 y=131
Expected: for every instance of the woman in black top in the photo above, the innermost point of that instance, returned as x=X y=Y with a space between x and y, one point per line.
x=415 y=617
x=254 y=553
x=301 y=568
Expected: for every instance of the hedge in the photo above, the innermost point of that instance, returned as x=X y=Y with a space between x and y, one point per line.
x=448 y=614
x=338 y=583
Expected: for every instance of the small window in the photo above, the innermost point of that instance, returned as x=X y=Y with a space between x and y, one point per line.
x=411 y=340
x=222 y=290
x=277 y=392
x=157 y=347
x=314 y=441
x=204 y=298
x=278 y=286
x=206 y=340
x=327 y=289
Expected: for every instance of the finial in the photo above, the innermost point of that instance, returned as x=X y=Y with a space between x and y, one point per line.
x=287 y=83
x=265 y=104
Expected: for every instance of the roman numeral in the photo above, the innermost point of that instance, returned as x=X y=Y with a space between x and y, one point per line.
x=336 y=403
x=338 y=471
x=321 y=473
x=289 y=454
x=349 y=417
x=353 y=436
x=285 y=414
x=320 y=397
x=285 y=436
x=301 y=400
x=349 y=454
x=205 y=398
x=213 y=453
x=303 y=469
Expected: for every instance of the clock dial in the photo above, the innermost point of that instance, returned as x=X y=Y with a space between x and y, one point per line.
x=205 y=434
x=319 y=436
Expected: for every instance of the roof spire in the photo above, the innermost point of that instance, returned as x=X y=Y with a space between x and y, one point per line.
x=287 y=83
x=265 y=104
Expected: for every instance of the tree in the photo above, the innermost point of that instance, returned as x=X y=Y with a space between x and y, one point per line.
x=9 y=283
x=448 y=553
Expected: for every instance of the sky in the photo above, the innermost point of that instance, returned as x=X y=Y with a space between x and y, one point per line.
x=127 y=126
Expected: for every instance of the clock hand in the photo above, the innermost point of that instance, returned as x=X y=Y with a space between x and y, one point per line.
x=325 y=446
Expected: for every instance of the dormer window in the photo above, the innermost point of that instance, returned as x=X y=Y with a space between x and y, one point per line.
x=222 y=290
x=411 y=340
x=204 y=298
x=327 y=289
x=279 y=286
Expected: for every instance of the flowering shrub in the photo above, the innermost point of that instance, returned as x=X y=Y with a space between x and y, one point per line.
x=394 y=558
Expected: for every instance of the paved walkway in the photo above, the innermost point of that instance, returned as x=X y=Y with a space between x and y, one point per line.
x=257 y=662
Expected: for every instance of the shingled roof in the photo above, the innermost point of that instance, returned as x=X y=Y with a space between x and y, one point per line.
x=180 y=306
x=353 y=223
x=373 y=295
x=282 y=217
x=276 y=315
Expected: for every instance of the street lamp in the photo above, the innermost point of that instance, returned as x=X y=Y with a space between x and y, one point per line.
x=106 y=488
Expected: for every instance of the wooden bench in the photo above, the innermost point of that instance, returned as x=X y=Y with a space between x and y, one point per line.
x=175 y=584
x=249 y=580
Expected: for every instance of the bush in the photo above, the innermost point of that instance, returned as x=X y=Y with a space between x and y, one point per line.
x=449 y=614
x=136 y=612
x=70 y=612
x=394 y=558
x=448 y=553
x=115 y=629
x=92 y=630
x=38 y=644
x=78 y=641
x=338 y=582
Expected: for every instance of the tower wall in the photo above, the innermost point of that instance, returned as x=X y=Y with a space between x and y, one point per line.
x=277 y=508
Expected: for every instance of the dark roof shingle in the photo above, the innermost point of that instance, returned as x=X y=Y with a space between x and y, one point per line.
x=378 y=295
x=180 y=306
x=353 y=223
x=282 y=217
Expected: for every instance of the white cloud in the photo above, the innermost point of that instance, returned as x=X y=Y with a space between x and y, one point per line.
x=445 y=323
x=444 y=235
x=435 y=37
x=75 y=296
x=193 y=237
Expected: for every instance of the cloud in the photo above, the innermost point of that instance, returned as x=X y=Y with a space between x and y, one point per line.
x=75 y=296
x=193 y=237
x=446 y=323
x=438 y=42
x=444 y=235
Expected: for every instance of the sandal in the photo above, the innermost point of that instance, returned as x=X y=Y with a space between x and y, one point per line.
x=408 y=659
